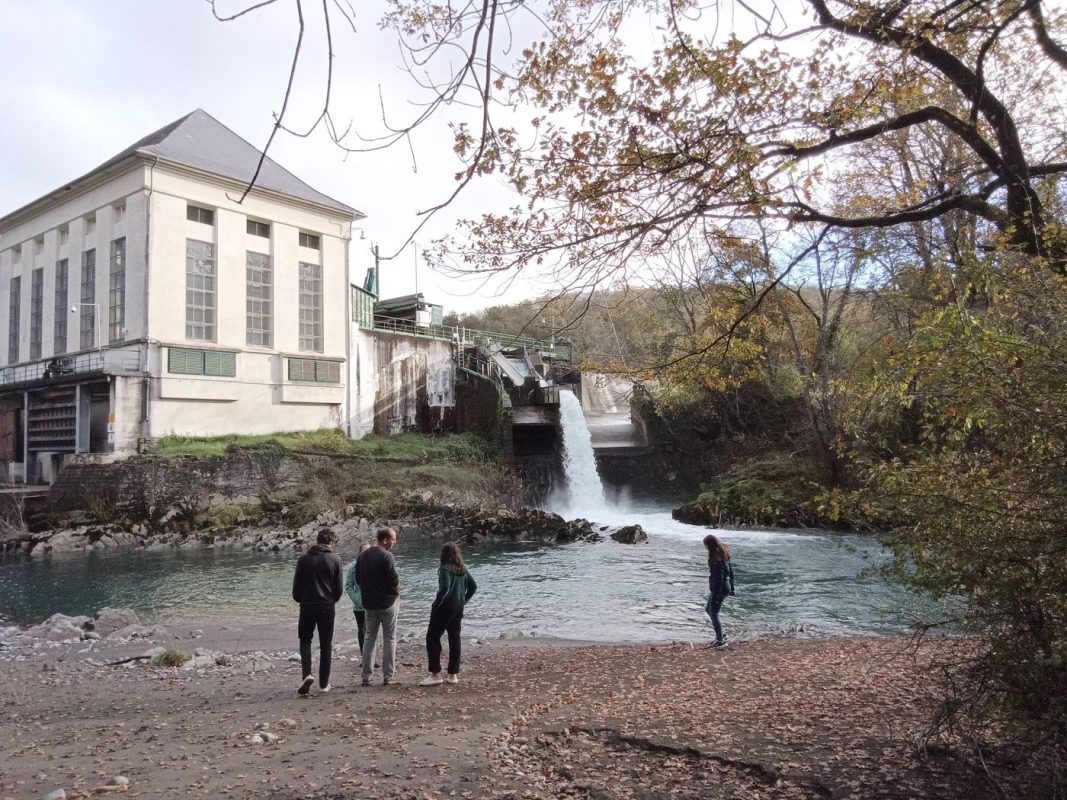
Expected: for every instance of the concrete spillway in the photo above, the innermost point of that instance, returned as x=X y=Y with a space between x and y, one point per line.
x=606 y=403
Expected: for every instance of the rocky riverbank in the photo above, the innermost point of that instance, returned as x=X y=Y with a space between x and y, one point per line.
x=414 y=515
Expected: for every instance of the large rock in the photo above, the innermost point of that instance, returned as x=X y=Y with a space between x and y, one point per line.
x=59 y=628
x=108 y=620
x=630 y=534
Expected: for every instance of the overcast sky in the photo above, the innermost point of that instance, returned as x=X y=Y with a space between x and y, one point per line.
x=82 y=80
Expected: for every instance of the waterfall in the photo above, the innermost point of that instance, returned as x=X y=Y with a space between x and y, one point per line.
x=583 y=491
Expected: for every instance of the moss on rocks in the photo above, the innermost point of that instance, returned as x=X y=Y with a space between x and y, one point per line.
x=773 y=492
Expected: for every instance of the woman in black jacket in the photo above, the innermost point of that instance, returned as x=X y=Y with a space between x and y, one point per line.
x=720 y=583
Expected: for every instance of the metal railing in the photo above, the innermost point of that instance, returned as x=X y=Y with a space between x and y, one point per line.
x=485 y=370
x=72 y=364
x=469 y=337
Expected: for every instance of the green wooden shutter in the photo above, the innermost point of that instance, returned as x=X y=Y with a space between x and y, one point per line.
x=223 y=364
x=301 y=369
x=185 y=362
x=327 y=372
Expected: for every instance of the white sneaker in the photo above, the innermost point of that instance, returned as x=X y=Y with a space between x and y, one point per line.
x=326 y=688
x=305 y=687
x=452 y=678
x=431 y=680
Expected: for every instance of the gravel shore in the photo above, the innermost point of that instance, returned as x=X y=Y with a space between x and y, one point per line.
x=531 y=718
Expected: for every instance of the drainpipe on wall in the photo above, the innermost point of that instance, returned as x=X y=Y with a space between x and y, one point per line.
x=348 y=339
x=147 y=404
x=25 y=438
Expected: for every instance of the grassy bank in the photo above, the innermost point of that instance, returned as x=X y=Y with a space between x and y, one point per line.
x=404 y=446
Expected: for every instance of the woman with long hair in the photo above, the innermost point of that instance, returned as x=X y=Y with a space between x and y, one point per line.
x=455 y=586
x=720 y=583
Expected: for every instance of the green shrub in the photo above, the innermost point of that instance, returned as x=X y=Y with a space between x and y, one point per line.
x=777 y=491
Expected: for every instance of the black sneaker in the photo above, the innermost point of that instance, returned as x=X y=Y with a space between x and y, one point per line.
x=387 y=681
x=305 y=687
x=365 y=682
x=718 y=644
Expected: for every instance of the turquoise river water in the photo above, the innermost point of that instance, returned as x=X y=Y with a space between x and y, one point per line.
x=601 y=591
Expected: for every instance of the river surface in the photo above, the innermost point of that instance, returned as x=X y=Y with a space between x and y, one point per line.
x=596 y=591
x=601 y=591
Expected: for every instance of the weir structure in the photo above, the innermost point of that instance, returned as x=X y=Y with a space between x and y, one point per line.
x=411 y=372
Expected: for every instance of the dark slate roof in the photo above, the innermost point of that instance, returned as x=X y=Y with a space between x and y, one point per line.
x=201 y=141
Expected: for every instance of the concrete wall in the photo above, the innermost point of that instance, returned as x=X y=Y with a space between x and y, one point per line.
x=399 y=383
x=260 y=398
x=478 y=411
x=147 y=486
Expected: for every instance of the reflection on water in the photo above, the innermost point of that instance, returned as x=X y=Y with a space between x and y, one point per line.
x=599 y=591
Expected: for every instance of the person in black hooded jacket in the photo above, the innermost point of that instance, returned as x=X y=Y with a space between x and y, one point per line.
x=317 y=586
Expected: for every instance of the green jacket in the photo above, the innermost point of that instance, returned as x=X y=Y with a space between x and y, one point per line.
x=352 y=588
x=453 y=589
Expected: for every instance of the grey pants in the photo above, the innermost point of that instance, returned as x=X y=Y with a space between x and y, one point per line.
x=385 y=619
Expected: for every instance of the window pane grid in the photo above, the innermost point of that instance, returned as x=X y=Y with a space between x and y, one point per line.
x=14 y=321
x=200 y=290
x=36 y=311
x=259 y=305
x=311 y=307
x=205 y=216
x=117 y=292
x=59 y=336
x=87 y=318
x=254 y=228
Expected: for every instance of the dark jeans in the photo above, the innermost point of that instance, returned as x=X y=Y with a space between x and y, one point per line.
x=450 y=619
x=713 y=606
x=312 y=617
x=361 y=627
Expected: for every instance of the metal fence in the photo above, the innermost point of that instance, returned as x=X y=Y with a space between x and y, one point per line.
x=72 y=364
x=559 y=350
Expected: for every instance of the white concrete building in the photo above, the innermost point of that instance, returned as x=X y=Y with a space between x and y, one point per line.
x=143 y=299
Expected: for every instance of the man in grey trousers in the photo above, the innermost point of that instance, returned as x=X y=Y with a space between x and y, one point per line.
x=380 y=586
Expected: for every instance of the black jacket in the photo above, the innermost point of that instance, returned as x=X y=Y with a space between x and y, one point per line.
x=377 y=579
x=721 y=579
x=318 y=580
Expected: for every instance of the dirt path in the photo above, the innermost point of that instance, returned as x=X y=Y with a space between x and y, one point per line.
x=776 y=718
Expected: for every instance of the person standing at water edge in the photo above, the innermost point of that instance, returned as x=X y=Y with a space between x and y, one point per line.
x=720 y=583
x=455 y=586
x=379 y=586
x=352 y=590
x=317 y=586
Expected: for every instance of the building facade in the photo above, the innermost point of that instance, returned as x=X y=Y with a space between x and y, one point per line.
x=147 y=298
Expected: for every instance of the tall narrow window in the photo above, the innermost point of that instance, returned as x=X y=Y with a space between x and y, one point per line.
x=36 y=311
x=311 y=307
x=14 y=321
x=259 y=300
x=199 y=290
x=87 y=318
x=116 y=319
x=59 y=339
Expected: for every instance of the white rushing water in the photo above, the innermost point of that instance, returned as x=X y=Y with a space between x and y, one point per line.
x=583 y=489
